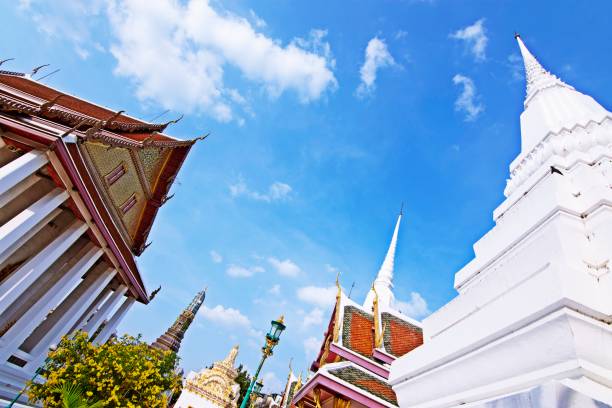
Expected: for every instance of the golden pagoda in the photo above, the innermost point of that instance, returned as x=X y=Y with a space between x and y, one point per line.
x=212 y=387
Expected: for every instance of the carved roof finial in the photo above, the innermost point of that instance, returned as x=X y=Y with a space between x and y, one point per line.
x=6 y=60
x=38 y=68
x=45 y=107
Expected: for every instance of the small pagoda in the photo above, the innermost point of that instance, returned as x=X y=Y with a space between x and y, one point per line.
x=213 y=387
x=171 y=339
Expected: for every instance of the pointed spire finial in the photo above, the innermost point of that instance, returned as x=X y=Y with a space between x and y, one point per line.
x=231 y=357
x=537 y=77
x=384 y=279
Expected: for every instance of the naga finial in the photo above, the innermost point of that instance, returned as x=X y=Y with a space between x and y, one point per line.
x=154 y=293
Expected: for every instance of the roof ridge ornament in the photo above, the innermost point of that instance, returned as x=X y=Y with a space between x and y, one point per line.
x=173 y=121
x=6 y=60
x=38 y=68
x=45 y=107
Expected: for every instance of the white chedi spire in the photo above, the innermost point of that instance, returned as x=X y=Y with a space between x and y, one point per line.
x=557 y=121
x=383 y=284
x=537 y=77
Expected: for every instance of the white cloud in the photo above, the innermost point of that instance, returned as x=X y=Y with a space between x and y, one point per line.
x=258 y=21
x=215 y=256
x=66 y=20
x=285 y=268
x=515 y=63
x=311 y=347
x=331 y=268
x=176 y=54
x=400 y=34
x=238 y=271
x=275 y=290
x=277 y=191
x=475 y=38
x=323 y=297
x=376 y=56
x=415 y=308
x=313 y=318
x=468 y=100
x=271 y=383
x=227 y=317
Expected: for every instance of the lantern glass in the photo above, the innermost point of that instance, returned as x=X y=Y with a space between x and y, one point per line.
x=276 y=329
x=258 y=386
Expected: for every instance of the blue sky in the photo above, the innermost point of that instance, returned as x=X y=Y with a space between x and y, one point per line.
x=324 y=118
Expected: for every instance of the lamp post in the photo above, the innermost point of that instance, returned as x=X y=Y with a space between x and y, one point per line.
x=272 y=338
x=256 y=391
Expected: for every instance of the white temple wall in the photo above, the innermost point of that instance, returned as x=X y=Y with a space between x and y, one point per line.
x=563 y=344
x=191 y=400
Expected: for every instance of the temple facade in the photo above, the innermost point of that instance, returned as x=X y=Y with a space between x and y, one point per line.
x=361 y=341
x=171 y=339
x=80 y=187
x=531 y=325
x=212 y=387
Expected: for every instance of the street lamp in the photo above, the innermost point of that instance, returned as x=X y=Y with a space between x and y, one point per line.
x=256 y=392
x=258 y=386
x=272 y=338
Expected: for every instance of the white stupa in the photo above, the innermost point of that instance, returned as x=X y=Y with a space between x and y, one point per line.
x=531 y=325
x=383 y=284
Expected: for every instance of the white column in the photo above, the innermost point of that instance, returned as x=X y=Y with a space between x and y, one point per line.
x=20 y=224
x=114 y=321
x=26 y=237
x=89 y=289
x=23 y=327
x=20 y=168
x=17 y=190
x=17 y=283
x=97 y=319
x=93 y=308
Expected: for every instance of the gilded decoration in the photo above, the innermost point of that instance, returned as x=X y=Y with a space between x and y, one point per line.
x=152 y=159
x=337 y=309
x=378 y=337
x=104 y=161
x=216 y=384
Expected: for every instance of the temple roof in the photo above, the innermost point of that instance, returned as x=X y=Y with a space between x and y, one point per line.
x=348 y=381
x=132 y=163
x=367 y=382
x=351 y=335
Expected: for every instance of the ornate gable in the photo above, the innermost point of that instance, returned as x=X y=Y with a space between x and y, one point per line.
x=400 y=336
x=131 y=162
x=358 y=331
